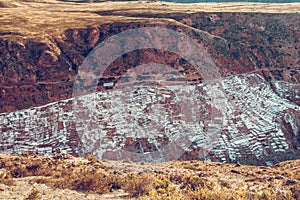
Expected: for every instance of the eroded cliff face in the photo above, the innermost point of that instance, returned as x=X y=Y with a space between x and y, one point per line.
x=257 y=55
x=35 y=72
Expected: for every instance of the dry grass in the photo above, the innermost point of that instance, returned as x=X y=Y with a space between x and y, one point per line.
x=39 y=19
x=8 y=181
x=175 y=180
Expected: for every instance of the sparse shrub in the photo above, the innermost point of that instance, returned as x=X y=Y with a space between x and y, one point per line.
x=4 y=174
x=95 y=161
x=193 y=182
x=43 y=171
x=33 y=168
x=225 y=183
x=9 y=182
x=241 y=193
x=267 y=195
x=19 y=171
x=206 y=194
x=296 y=191
x=34 y=195
x=98 y=183
x=297 y=174
x=193 y=166
x=176 y=177
x=284 y=195
x=251 y=196
x=41 y=180
x=6 y=178
x=162 y=184
x=90 y=157
x=172 y=195
x=27 y=153
x=137 y=185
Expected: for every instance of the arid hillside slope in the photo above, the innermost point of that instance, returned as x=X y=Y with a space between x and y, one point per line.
x=44 y=42
x=255 y=101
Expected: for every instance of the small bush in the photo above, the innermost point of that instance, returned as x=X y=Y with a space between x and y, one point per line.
x=98 y=183
x=19 y=171
x=225 y=183
x=34 y=195
x=90 y=157
x=9 y=181
x=267 y=195
x=42 y=180
x=193 y=182
x=206 y=194
x=138 y=185
x=296 y=191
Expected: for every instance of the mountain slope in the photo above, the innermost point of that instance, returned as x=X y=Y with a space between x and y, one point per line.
x=248 y=112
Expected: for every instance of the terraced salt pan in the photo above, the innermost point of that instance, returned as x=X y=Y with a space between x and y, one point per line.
x=242 y=112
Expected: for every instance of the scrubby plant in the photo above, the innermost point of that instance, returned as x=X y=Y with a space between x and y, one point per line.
x=267 y=195
x=148 y=184
x=193 y=182
x=91 y=183
x=6 y=178
x=34 y=195
x=206 y=194
x=138 y=185
x=18 y=171
x=225 y=183
x=296 y=191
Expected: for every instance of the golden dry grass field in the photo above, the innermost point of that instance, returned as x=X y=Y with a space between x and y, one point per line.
x=65 y=177
x=41 y=18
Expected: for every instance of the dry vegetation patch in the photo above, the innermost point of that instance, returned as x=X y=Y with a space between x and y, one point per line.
x=172 y=180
